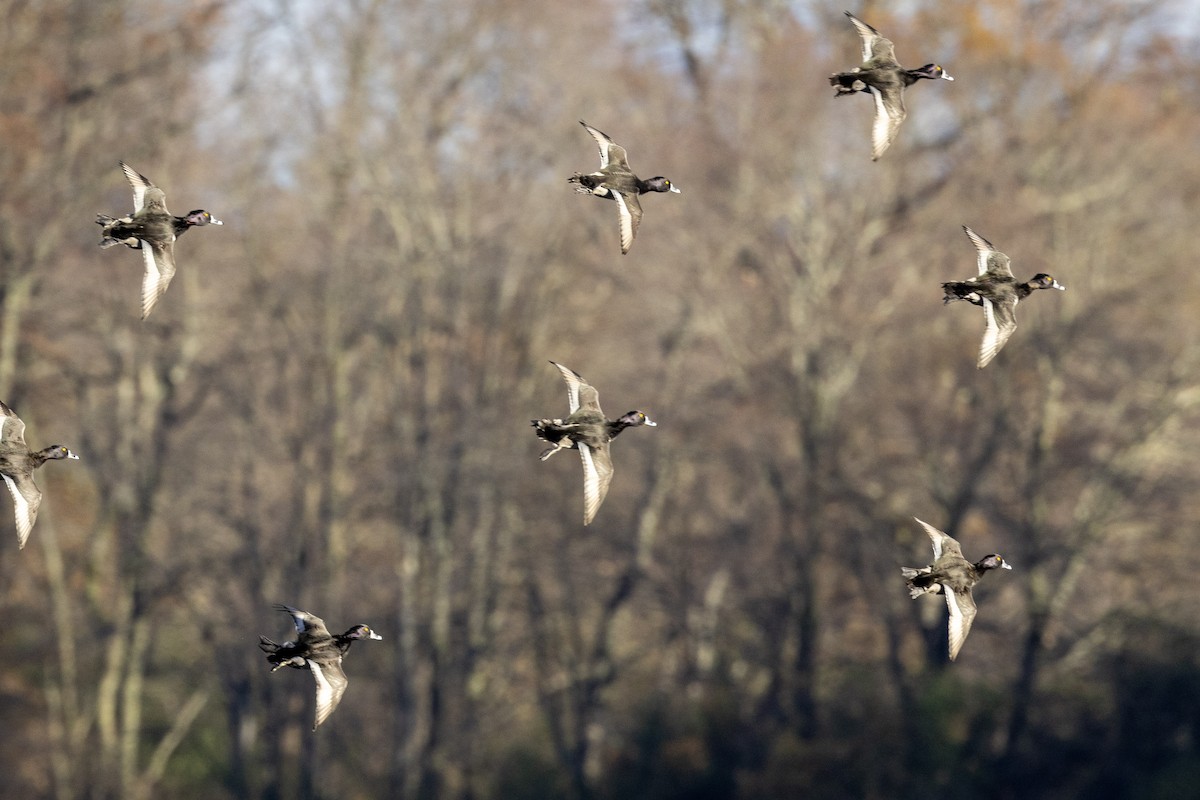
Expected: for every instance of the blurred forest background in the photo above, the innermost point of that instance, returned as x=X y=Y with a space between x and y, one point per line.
x=330 y=408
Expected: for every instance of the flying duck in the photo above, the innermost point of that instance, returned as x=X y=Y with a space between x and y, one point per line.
x=616 y=181
x=997 y=291
x=881 y=76
x=150 y=224
x=953 y=576
x=587 y=430
x=17 y=463
x=318 y=651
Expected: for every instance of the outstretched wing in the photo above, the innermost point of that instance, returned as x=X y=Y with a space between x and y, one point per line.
x=597 y=475
x=989 y=258
x=309 y=627
x=331 y=685
x=889 y=113
x=12 y=429
x=962 y=613
x=144 y=191
x=610 y=151
x=629 y=208
x=874 y=46
x=579 y=392
x=1000 y=320
x=942 y=543
x=159 y=261
x=27 y=498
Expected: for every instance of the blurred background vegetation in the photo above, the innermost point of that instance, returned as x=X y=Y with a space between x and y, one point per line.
x=330 y=406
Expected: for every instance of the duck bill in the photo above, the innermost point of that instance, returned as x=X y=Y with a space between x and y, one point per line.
x=72 y=455
x=375 y=635
x=675 y=189
x=1005 y=565
x=1059 y=286
x=215 y=221
x=650 y=422
x=946 y=76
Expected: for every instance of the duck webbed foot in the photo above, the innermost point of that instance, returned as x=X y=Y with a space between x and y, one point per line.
x=971 y=298
x=847 y=83
x=549 y=451
x=588 y=184
x=133 y=243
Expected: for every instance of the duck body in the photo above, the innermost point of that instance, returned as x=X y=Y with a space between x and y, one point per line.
x=152 y=229
x=131 y=231
x=881 y=76
x=616 y=181
x=997 y=291
x=587 y=430
x=318 y=651
x=954 y=576
x=17 y=463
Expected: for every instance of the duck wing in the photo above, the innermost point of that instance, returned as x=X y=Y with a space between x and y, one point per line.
x=874 y=46
x=12 y=430
x=610 y=151
x=1000 y=320
x=942 y=543
x=597 y=475
x=962 y=614
x=310 y=628
x=331 y=685
x=145 y=193
x=630 y=210
x=159 y=260
x=889 y=113
x=580 y=393
x=990 y=259
x=27 y=498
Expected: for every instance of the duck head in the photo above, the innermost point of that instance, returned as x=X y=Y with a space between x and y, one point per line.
x=932 y=72
x=361 y=631
x=57 y=451
x=1044 y=281
x=635 y=418
x=992 y=561
x=201 y=217
x=660 y=184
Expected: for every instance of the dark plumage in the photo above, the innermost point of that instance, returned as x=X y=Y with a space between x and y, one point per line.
x=587 y=430
x=150 y=224
x=17 y=463
x=318 y=651
x=998 y=292
x=882 y=77
x=953 y=576
x=616 y=181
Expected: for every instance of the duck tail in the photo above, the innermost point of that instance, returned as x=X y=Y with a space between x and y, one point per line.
x=587 y=184
x=920 y=581
x=960 y=290
x=846 y=83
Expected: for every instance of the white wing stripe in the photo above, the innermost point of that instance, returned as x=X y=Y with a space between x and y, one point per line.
x=626 y=222
x=21 y=507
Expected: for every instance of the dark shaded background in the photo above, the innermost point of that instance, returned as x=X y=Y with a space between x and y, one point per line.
x=330 y=406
